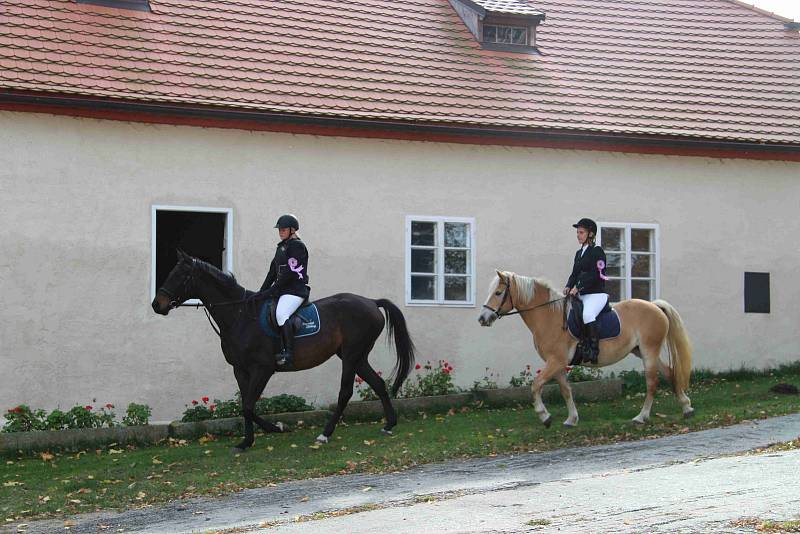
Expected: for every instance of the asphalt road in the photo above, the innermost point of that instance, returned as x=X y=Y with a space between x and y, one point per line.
x=695 y=482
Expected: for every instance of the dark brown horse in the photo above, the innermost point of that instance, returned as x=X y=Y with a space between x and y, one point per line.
x=350 y=325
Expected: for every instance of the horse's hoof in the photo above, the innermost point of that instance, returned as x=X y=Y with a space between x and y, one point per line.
x=547 y=422
x=637 y=421
x=322 y=438
x=238 y=450
x=281 y=427
x=569 y=424
x=387 y=431
x=689 y=414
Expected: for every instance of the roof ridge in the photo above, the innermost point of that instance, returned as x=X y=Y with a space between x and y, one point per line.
x=753 y=7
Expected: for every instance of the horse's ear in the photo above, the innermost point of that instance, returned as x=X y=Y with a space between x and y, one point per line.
x=499 y=273
x=181 y=254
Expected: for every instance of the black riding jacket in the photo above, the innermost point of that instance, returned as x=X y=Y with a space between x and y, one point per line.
x=587 y=271
x=288 y=272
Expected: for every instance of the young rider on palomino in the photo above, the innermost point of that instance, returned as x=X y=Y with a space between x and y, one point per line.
x=287 y=280
x=588 y=283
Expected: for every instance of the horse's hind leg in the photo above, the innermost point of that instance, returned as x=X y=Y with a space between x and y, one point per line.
x=365 y=371
x=650 y=358
x=566 y=393
x=345 y=392
x=683 y=399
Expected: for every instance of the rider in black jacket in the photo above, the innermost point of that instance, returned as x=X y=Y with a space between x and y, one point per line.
x=588 y=283
x=287 y=280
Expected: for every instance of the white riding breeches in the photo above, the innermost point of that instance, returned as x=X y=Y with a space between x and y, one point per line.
x=592 y=305
x=287 y=305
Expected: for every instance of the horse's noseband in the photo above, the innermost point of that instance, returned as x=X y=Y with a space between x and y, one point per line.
x=175 y=299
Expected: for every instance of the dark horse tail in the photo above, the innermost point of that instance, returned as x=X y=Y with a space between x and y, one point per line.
x=396 y=328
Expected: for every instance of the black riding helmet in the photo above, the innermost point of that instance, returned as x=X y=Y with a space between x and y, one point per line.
x=287 y=221
x=587 y=224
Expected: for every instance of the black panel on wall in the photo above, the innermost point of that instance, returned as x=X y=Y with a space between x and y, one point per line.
x=756 y=292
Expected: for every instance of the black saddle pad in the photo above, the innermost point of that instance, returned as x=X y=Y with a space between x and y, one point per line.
x=608 y=321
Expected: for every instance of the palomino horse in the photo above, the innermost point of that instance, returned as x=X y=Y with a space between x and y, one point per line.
x=350 y=325
x=645 y=328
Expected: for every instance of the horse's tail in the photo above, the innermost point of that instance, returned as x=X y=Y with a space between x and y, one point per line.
x=678 y=345
x=396 y=328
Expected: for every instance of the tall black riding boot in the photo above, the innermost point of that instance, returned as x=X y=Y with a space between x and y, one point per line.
x=594 y=341
x=287 y=344
x=582 y=349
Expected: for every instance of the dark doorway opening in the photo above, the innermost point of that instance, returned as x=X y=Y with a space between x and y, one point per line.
x=199 y=233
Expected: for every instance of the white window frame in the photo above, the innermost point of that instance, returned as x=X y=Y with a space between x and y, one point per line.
x=627 y=227
x=439 y=272
x=228 y=244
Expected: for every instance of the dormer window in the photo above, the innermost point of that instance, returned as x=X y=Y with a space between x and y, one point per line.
x=130 y=5
x=508 y=25
x=496 y=34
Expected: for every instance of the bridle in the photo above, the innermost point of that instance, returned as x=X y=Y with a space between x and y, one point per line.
x=507 y=296
x=176 y=300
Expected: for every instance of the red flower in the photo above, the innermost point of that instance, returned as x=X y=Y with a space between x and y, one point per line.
x=446 y=371
x=109 y=406
x=17 y=409
x=212 y=407
x=359 y=380
x=87 y=408
x=568 y=368
x=418 y=366
x=538 y=371
x=194 y=403
x=205 y=400
x=446 y=364
x=449 y=368
x=528 y=367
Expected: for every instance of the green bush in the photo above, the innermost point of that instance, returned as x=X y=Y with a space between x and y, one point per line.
x=524 y=378
x=137 y=415
x=489 y=381
x=434 y=381
x=58 y=420
x=23 y=419
x=281 y=404
x=583 y=374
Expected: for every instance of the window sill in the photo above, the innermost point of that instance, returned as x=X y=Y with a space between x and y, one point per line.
x=417 y=304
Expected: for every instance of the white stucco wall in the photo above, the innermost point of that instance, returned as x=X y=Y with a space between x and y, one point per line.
x=76 y=322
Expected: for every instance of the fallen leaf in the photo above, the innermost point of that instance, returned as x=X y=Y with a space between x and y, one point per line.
x=141 y=495
x=207 y=452
x=115 y=451
x=75 y=501
x=12 y=483
x=68 y=524
x=304 y=499
x=368 y=488
x=661 y=415
x=293 y=446
x=46 y=498
x=156 y=461
x=46 y=456
x=314 y=446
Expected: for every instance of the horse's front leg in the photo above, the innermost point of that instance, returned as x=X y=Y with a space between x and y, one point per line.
x=243 y=380
x=552 y=366
x=566 y=393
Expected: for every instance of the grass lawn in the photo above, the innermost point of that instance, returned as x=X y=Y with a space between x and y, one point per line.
x=59 y=485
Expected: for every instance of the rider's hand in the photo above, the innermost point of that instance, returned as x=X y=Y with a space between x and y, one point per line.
x=565 y=292
x=573 y=291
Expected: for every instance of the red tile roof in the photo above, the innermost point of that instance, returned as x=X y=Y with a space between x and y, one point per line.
x=710 y=69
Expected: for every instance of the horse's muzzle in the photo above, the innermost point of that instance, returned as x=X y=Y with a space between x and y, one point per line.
x=161 y=305
x=487 y=317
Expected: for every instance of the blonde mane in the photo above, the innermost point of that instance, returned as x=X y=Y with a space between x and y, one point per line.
x=526 y=291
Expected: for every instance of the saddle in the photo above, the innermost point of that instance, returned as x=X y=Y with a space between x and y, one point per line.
x=304 y=321
x=607 y=320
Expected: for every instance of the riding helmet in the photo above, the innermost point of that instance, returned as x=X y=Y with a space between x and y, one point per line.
x=588 y=224
x=287 y=221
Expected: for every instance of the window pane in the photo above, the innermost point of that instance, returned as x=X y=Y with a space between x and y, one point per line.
x=642 y=289
x=455 y=261
x=423 y=233
x=490 y=34
x=456 y=235
x=612 y=238
x=520 y=36
x=423 y=287
x=642 y=240
x=615 y=265
x=503 y=34
x=423 y=260
x=615 y=290
x=455 y=288
x=642 y=265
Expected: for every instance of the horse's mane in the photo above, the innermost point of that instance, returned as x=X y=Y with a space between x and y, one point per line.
x=226 y=279
x=526 y=290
